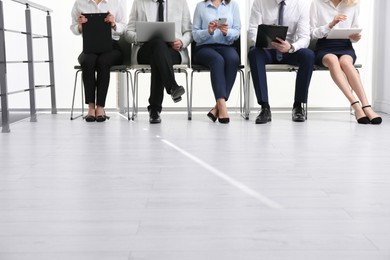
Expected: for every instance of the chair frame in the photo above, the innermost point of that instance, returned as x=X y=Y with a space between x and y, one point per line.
x=124 y=68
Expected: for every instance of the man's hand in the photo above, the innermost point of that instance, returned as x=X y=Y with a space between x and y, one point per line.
x=177 y=45
x=282 y=46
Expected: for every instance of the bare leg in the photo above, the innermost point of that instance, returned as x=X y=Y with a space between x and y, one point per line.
x=355 y=82
x=332 y=62
x=100 y=111
x=91 y=109
x=222 y=109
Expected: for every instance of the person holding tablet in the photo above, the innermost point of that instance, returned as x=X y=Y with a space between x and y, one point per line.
x=216 y=26
x=96 y=66
x=293 y=50
x=338 y=54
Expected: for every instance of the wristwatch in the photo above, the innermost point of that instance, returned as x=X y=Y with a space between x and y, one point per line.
x=292 y=49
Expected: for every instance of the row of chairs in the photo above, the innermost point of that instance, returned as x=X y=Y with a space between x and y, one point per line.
x=127 y=67
x=183 y=68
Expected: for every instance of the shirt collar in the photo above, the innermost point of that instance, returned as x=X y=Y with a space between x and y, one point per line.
x=279 y=1
x=208 y=3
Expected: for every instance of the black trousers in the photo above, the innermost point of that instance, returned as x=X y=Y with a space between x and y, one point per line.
x=161 y=58
x=96 y=73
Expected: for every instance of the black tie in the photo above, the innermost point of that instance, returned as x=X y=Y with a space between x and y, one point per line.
x=279 y=55
x=160 y=10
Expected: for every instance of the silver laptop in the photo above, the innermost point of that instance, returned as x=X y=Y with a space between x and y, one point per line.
x=148 y=30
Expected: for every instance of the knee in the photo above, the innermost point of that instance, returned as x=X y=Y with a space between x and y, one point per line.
x=346 y=62
x=331 y=61
x=252 y=52
x=256 y=54
x=307 y=55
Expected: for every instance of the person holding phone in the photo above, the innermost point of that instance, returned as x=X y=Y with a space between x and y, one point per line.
x=96 y=66
x=216 y=26
x=339 y=55
x=293 y=50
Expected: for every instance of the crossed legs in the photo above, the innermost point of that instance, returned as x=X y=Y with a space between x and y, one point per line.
x=345 y=75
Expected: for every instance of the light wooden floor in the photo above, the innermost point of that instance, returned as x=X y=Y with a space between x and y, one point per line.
x=195 y=190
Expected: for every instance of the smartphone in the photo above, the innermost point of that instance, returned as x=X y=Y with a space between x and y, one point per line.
x=221 y=21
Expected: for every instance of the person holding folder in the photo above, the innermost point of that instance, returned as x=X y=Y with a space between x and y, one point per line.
x=96 y=66
x=216 y=26
x=161 y=55
x=338 y=54
x=293 y=50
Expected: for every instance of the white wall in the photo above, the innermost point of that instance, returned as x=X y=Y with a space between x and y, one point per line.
x=381 y=63
x=323 y=92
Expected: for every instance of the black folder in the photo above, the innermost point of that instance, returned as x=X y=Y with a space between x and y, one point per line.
x=268 y=33
x=96 y=34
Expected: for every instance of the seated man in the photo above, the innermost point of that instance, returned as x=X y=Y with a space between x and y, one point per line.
x=161 y=56
x=294 y=51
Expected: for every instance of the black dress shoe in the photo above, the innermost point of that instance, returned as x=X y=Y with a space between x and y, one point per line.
x=154 y=117
x=176 y=93
x=264 y=116
x=298 y=114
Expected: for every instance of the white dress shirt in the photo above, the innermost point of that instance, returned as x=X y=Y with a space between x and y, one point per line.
x=146 y=10
x=296 y=17
x=115 y=7
x=322 y=13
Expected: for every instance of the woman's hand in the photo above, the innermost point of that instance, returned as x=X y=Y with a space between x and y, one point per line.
x=224 y=28
x=213 y=25
x=82 y=19
x=110 y=19
x=355 y=37
x=338 y=18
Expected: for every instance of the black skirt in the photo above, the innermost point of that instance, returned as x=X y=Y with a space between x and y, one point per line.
x=333 y=46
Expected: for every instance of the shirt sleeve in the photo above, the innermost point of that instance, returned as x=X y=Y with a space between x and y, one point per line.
x=302 y=34
x=234 y=31
x=120 y=19
x=255 y=19
x=317 y=31
x=74 y=27
x=200 y=35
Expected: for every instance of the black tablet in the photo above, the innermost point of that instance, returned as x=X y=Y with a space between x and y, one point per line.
x=96 y=34
x=268 y=33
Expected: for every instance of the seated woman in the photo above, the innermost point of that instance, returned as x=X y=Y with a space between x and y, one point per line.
x=216 y=26
x=96 y=66
x=338 y=54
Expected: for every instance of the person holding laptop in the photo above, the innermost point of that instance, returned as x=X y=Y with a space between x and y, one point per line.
x=294 y=51
x=96 y=66
x=338 y=54
x=216 y=26
x=161 y=55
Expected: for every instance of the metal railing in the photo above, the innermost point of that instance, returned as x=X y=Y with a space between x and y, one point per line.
x=30 y=61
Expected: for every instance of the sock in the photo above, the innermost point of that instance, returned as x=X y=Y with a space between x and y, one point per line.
x=297 y=104
x=264 y=104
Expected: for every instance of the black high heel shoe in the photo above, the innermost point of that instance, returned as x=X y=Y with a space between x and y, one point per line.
x=224 y=120
x=376 y=120
x=102 y=118
x=211 y=116
x=362 y=120
x=90 y=118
